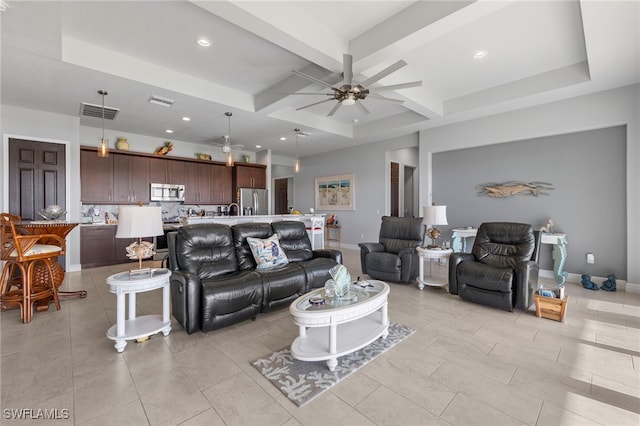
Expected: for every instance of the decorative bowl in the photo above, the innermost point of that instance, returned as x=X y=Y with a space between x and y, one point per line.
x=52 y=212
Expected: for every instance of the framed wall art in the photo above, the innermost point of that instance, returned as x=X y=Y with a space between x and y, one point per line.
x=335 y=192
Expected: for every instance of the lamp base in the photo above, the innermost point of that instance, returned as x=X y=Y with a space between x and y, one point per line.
x=139 y=273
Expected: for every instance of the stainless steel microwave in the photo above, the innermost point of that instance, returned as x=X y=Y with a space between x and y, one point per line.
x=167 y=192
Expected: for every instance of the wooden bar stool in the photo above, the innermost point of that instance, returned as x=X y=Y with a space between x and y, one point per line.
x=21 y=254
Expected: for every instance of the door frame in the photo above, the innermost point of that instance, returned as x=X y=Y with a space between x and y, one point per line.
x=67 y=177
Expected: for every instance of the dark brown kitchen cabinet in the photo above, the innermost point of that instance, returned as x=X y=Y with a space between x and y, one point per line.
x=96 y=245
x=222 y=184
x=198 y=184
x=130 y=179
x=250 y=176
x=95 y=177
x=100 y=247
x=164 y=170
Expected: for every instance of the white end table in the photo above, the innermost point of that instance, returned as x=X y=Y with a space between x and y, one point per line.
x=125 y=283
x=431 y=254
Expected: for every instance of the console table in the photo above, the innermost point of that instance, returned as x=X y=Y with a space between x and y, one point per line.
x=559 y=254
x=125 y=283
x=459 y=238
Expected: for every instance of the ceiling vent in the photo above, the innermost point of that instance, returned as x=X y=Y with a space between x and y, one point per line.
x=91 y=110
x=159 y=100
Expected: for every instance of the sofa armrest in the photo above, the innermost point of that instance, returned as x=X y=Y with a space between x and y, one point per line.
x=365 y=249
x=527 y=282
x=185 y=300
x=454 y=260
x=336 y=255
x=409 y=260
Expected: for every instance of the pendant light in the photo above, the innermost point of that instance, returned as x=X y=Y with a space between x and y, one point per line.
x=228 y=141
x=296 y=164
x=103 y=148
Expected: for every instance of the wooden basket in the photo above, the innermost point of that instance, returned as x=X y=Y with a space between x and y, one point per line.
x=551 y=308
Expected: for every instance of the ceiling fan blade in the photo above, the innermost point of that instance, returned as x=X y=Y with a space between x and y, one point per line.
x=315 y=80
x=382 y=74
x=334 y=109
x=347 y=63
x=385 y=99
x=362 y=108
x=307 y=93
x=315 y=103
x=396 y=86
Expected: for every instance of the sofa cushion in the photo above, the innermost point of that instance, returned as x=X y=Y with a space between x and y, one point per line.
x=504 y=244
x=282 y=286
x=489 y=278
x=243 y=252
x=397 y=233
x=267 y=253
x=294 y=239
x=206 y=250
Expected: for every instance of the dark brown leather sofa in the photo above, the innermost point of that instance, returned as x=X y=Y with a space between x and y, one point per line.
x=214 y=280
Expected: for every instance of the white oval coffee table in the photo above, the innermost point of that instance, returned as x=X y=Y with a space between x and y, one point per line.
x=339 y=326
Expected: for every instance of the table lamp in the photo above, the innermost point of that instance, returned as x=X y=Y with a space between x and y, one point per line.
x=139 y=222
x=432 y=216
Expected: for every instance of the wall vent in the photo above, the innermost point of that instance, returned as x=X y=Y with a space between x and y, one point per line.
x=159 y=100
x=91 y=110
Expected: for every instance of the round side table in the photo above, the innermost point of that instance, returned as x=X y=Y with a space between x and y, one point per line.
x=132 y=283
x=431 y=254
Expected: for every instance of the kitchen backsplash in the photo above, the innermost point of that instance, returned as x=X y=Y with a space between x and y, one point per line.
x=171 y=212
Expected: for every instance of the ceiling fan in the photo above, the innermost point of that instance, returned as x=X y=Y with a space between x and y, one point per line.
x=353 y=94
x=227 y=146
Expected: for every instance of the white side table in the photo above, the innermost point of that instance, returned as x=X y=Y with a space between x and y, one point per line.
x=459 y=238
x=431 y=254
x=125 y=283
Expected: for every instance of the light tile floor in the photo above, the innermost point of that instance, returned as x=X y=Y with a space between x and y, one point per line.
x=467 y=364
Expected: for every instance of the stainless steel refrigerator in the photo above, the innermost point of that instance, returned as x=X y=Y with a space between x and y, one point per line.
x=253 y=201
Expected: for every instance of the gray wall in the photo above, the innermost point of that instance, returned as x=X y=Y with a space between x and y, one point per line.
x=601 y=110
x=588 y=171
x=370 y=165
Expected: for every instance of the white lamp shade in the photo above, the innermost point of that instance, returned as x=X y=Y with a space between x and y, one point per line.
x=139 y=221
x=435 y=215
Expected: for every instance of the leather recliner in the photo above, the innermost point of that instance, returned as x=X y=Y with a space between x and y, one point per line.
x=502 y=269
x=394 y=257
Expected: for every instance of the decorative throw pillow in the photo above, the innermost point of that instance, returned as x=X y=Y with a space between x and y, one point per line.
x=267 y=253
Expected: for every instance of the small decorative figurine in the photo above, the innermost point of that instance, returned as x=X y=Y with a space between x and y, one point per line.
x=610 y=283
x=587 y=283
x=165 y=149
x=548 y=227
x=342 y=279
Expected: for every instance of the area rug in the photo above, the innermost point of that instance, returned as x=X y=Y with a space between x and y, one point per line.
x=302 y=381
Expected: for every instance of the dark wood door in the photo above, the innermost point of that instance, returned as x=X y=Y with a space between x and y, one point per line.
x=282 y=196
x=395 y=189
x=36 y=177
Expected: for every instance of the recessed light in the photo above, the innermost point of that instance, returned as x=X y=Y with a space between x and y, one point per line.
x=479 y=54
x=258 y=146
x=168 y=131
x=204 y=42
x=355 y=120
x=186 y=119
x=283 y=138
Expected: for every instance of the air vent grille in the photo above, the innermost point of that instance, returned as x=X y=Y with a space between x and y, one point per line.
x=159 y=100
x=91 y=110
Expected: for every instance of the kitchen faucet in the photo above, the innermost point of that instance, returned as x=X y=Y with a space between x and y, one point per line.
x=237 y=208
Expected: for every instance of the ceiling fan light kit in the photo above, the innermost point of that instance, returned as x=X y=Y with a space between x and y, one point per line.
x=349 y=94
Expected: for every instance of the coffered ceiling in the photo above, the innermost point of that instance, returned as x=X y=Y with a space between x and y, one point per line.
x=56 y=55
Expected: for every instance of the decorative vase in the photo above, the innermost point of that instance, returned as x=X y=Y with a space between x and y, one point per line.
x=342 y=279
x=122 y=144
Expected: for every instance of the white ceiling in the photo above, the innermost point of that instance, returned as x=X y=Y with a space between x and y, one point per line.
x=56 y=55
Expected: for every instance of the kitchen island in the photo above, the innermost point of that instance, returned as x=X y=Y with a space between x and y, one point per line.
x=313 y=222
